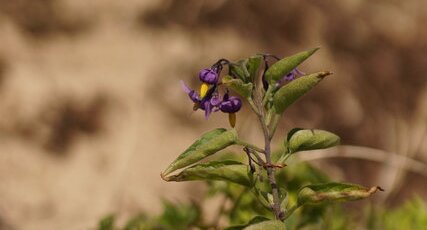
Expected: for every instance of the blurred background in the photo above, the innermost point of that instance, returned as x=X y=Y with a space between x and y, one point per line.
x=91 y=109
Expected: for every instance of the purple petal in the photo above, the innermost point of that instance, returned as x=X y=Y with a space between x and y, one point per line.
x=194 y=96
x=289 y=77
x=185 y=87
x=208 y=109
x=215 y=100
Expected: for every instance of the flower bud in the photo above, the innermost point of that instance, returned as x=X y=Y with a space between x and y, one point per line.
x=230 y=104
x=208 y=76
x=289 y=77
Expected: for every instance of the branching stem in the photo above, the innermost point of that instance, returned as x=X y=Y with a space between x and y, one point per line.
x=259 y=161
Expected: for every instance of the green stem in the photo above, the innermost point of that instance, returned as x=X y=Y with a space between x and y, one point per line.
x=284 y=158
x=268 y=117
x=267 y=95
x=253 y=106
x=274 y=123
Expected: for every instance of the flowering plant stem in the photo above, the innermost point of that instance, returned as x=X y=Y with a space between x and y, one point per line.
x=282 y=85
x=267 y=153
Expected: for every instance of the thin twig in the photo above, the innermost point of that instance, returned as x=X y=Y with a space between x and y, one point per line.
x=250 y=146
x=253 y=160
x=259 y=161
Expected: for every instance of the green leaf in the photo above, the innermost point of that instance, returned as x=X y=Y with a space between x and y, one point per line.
x=254 y=220
x=310 y=139
x=267 y=225
x=239 y=70
x=290 y=92
x=262 y=187
x=210 y=143
x=232 y=171
x=238 y=86
x=284 y=197
x=252 y=66
x=286 y=65
x=292 y=132
x=319 y=193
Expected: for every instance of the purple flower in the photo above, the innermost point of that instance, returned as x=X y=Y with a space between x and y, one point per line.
x=209 y=76
x=209 y=103
x=208 y=99
x=289 y=77
x=230 y=104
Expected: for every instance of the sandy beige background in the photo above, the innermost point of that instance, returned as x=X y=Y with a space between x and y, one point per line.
x=91 y=109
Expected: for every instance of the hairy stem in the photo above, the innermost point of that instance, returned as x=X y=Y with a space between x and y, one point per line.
x=267 y=152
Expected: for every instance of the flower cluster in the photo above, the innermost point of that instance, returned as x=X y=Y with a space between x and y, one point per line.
x=209 y=98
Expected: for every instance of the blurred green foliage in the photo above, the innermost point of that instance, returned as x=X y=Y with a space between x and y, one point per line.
x=174 y=216
x=245 y=209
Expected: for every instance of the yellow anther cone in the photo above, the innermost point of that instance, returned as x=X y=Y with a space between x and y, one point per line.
x=203 y=90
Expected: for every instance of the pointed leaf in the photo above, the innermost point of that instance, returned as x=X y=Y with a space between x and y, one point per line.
x=262 y=185
x=286 y=65
x=318 y=193
x=210 y=143
x=310 y=139
x=284 y=198
x=252 y=66
x=232 y=171
x=238 y=86
x=290 y=92
x=267 y=225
